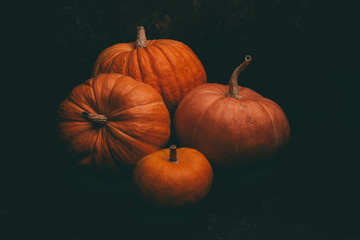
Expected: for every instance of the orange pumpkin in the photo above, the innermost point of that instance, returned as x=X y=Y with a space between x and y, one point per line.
x=173 y=177
x=169 y=66
x=231 y=125
x=112 y=121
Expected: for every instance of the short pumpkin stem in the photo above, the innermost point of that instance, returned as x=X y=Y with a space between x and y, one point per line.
x=173 y=155
x=95 y=118
x=141 y=41
x=233 y=84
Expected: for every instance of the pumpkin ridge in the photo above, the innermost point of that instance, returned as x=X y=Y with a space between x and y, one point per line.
x=134 y=138
x=102 y=84
x=282 y=139
x=95 y=100
x=272 y=121
x=127 y=135
x=192 y=55
x=139 y=65
x=89 y=150
x=156 y=84
x=122 y=152
x=140 y=84
x=114 y=86
x=128 y=64
x=118 y=82
x=113 y=62
x=130 y=108
x=215 y=86
x=124 y=142
x=77 y=105
x=133 y=66
x=108 y=161
x=107 y=62
x=113 y=158
x=96 y=69
x=155 y=70
x=269 y=101
x=179 y=89
x=71 y=101
x=103 y=60
x=93 y=150
x=74 y=134
x=201 y=118
x=182 y=53
x=87 y=102
x=186 y=55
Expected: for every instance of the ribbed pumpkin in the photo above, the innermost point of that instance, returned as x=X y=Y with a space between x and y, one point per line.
x=231 y=125
x=169 y=66
x=173 y=177
x=112 y=121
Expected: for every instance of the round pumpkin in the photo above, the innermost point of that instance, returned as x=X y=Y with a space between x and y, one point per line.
x=169 y=66
x=173 y=177
x=112 y=121
x=231 y=125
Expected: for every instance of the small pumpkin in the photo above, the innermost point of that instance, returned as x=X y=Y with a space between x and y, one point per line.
x=173 y=177
x=112 y=121
x=231 y=125
x=169 y=66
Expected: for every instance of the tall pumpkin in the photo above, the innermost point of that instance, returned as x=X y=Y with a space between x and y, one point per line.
x=169 y=66
x=112 y=121
x=231 y=125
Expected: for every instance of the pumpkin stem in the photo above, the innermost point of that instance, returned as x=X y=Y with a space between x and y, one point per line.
x=173 y=157
x=233 y=84
x=141 y=41
x=95 y=118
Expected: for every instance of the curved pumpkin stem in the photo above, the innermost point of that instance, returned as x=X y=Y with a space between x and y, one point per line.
x=141 y=41
x=95 y=118
x=233 y=84
x=173 y=155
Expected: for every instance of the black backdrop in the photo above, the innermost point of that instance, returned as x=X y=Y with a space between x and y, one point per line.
x=305 y=58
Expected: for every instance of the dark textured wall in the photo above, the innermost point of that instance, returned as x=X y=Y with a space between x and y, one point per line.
x=305 y=58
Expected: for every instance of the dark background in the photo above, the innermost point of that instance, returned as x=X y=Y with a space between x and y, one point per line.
x=305 y=58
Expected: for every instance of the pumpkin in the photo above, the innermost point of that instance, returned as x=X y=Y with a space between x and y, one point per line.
x=173 y=177
x=231 y=125
x=111 y=121
x=169 y=66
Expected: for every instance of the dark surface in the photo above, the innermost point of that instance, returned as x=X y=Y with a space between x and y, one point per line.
x=305 y=58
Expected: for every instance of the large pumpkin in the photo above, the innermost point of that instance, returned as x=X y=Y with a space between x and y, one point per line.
x=231 y=125
x=169 y=66
x=173 y=177
x=112 y=121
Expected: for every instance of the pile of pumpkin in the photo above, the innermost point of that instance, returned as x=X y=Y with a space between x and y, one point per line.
x=119 y=120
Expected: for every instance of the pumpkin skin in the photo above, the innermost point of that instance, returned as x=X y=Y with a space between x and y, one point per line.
x=111 y=121
x=231 y=131
x=183 y=181
x=169 y=66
